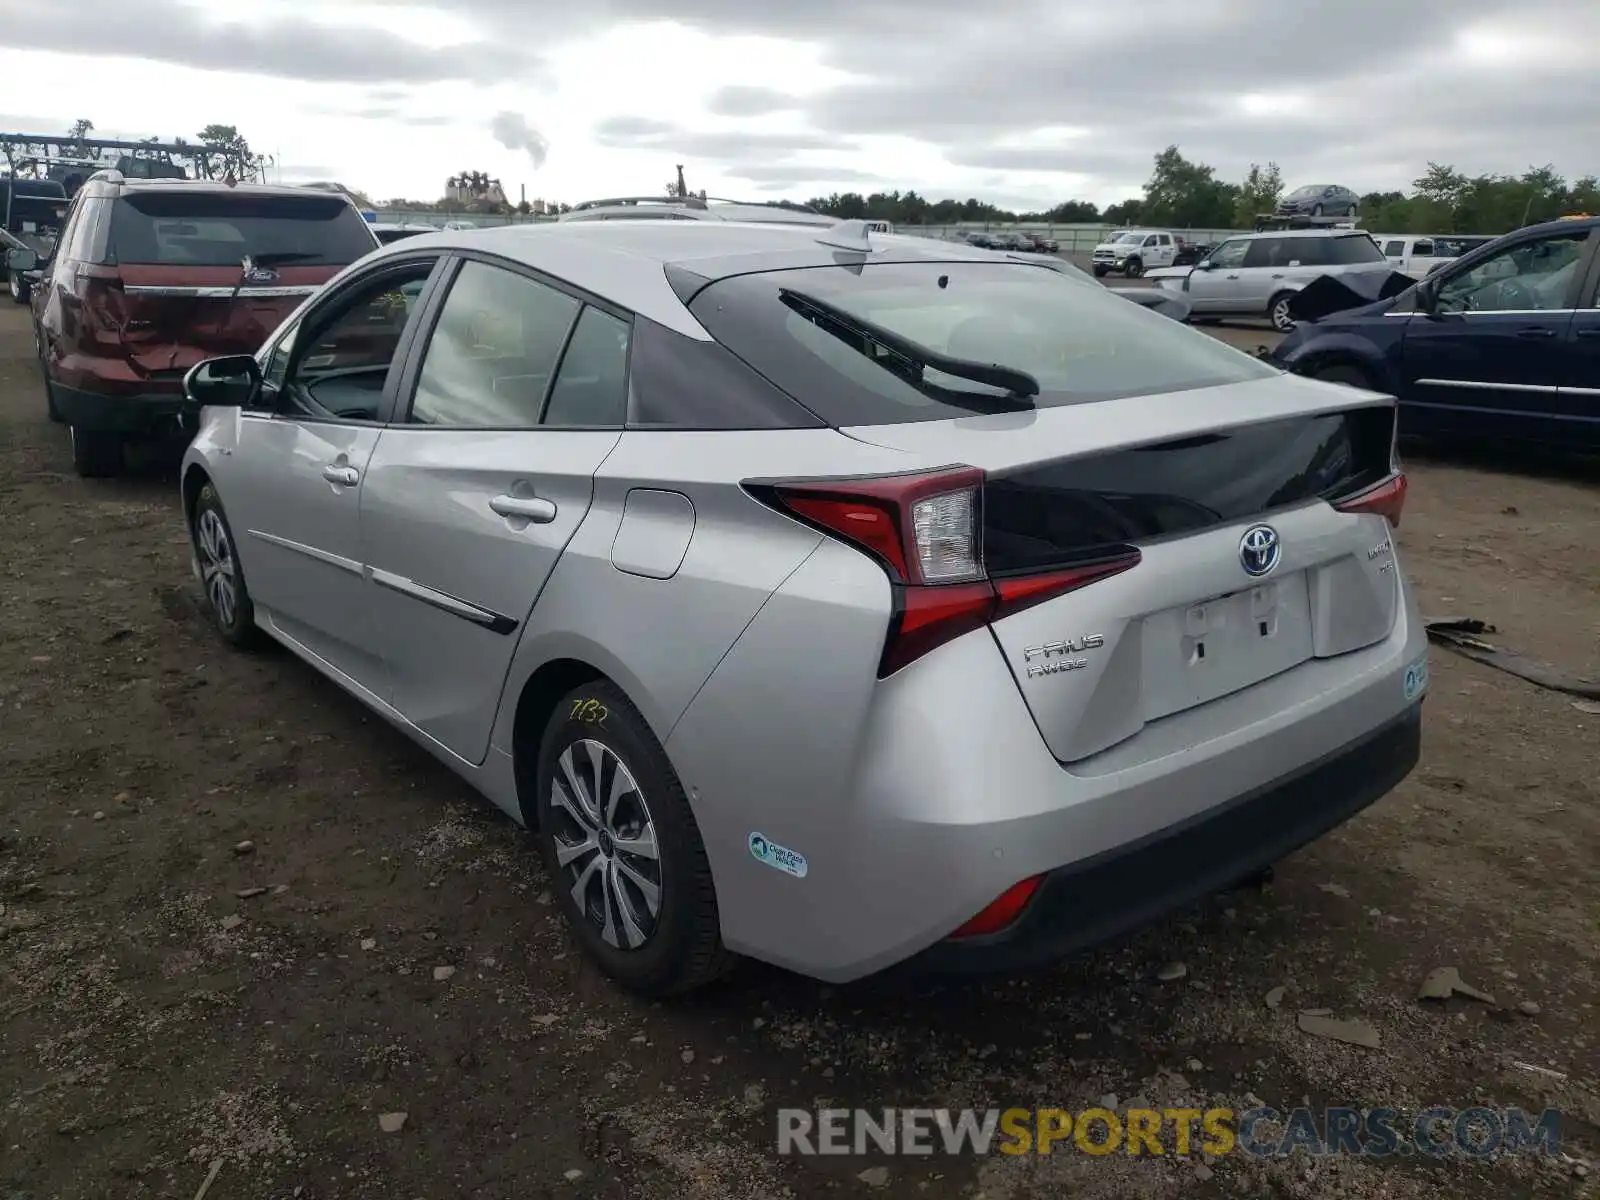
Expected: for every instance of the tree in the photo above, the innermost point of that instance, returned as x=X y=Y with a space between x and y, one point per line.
x=1187 y=195
x=225 y=154
x=1257 y=194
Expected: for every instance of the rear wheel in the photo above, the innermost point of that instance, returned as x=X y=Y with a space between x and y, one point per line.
x=1346 y=373
x=622 y=849
x=95 y=454
x=1278 y=312
x=1135 y=268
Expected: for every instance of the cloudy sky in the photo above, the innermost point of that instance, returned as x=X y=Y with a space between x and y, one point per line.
x=1024 y=103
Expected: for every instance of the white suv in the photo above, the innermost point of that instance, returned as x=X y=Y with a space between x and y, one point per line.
x=1135 y=251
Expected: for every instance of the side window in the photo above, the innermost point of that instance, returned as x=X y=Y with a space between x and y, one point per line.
x=1166 y=239
x=1264 y=252
x=491 y=357
x=1230 y=254
x=1532 y=276
x=1394 y=249
x=1151 y=240
x=71 y=232
x=1423 y=250
x=591 y=387
x=339 y=373
x=1309 y=252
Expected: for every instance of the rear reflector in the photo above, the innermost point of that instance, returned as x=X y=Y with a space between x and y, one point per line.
x=1388 y=500
x=925 y=530
x=1003 y=912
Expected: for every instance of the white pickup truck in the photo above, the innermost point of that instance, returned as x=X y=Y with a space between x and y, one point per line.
x=1135 y=251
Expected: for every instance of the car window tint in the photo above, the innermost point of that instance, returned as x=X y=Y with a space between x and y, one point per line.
x=206 y=228
x=489 y=361
x=1230 y=254
x=1264 y=252
x=1080 y=343
x=1530 y=276
x=342 y=373
x=1309 y=251
x=1394 y=249
x=278 y=360
x=1423 y=249
x=592 y=385
x=1350 y=251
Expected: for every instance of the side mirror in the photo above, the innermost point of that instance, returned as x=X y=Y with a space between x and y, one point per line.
x=21 y=260
x=233 y=381
x=1205 y=264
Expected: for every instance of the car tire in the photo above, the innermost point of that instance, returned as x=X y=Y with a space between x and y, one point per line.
x=1278 y=312
x=95 y=453
x=1100 y=272
x=1316 y=210
x=595 y=735
x=221 y=577
x=20 y=288
x=1340 y=372
x=1134 y=269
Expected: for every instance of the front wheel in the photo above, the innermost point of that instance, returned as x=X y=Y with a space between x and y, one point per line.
x=622 y=849
x=1316 y=210
x=1278 y=312
x=216 y=565
x=1100 y=272
x=20 y=288
x=1135 y=268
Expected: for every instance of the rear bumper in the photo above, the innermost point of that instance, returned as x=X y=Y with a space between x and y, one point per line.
x=97 y=412
x=936 y=792
x=1113 y=894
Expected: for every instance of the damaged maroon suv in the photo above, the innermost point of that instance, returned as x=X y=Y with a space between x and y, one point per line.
x=150 y=276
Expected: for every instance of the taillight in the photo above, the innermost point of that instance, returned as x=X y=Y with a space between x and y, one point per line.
x=1003 y=912
x=926 y=531
x=1388 y=499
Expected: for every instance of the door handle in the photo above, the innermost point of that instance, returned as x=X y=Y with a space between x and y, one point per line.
x=1589 y=331
x=344 y=476
x=1278 y=275
x=532 y=508
x=1233 y=277
x=1536 y=331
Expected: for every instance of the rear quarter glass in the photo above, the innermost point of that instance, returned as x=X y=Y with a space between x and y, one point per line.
x=1013 y=314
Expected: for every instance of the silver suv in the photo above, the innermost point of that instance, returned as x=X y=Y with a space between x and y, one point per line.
x=832 y=599
x=1255 y=274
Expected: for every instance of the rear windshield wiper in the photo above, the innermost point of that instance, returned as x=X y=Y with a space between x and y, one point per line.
x=914 y=357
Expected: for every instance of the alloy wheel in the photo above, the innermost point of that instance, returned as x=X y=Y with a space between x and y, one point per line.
x=218 y=573
x=1280 y=316
x=605 y=843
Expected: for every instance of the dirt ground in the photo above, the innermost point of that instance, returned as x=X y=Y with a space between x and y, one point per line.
x=160 y=1012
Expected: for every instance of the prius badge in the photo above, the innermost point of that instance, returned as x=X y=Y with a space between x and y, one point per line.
x=1055 y=657
x=1259 y=550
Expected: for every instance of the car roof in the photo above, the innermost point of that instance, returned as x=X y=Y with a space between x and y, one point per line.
x=1298 y=233
x=125 y=185
x=626 y=261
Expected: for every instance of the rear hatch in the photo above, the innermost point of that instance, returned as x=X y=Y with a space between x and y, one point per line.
x=1178 y=620
x=1183 y=521
x=174 y=290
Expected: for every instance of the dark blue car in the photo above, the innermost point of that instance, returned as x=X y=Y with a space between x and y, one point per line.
x=1503 y=344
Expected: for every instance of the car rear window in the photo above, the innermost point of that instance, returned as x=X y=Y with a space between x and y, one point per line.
x=217 y=229
x=1079 y=341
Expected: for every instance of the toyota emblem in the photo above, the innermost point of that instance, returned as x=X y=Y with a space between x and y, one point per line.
x=1259 y=550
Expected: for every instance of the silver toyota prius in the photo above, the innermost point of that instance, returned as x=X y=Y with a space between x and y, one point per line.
x=842 y=600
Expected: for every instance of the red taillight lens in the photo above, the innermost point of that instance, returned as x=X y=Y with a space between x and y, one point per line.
x=1003 y=912
x=1388 y=499
x=925 y=529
